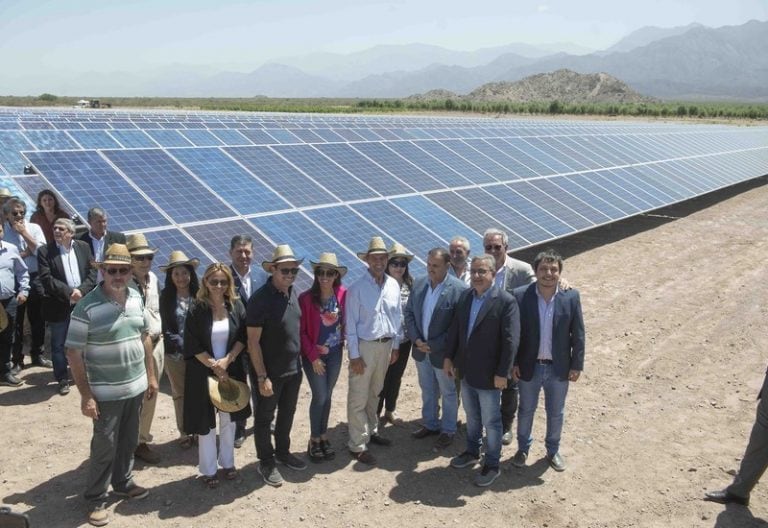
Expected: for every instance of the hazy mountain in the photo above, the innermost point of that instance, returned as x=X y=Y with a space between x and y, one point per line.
x=646 y=35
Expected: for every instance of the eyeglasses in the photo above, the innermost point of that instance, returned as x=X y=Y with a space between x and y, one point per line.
x=116 y=271
x=59 y=228
x=399 y=263
x=218 y=282
x=18 y=213
x=142 y=258
x=493 y=247
x=480 y=271
x=289 y=271
x=325 y=273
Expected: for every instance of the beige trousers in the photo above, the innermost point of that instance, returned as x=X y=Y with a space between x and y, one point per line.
x=148 y=406
x=175 y=369
x=363 y=395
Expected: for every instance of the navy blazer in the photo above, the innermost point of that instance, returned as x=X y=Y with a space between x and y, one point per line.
x=110 y=237
x=568 y=338
x=489 y=348
x=439 y=323
x=258 y=278
x=53 y=280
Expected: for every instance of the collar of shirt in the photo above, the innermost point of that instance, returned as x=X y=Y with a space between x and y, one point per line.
x=541 y=297
x=64 y=249
x=369 y=276
x=97 y=239
x=274 y=291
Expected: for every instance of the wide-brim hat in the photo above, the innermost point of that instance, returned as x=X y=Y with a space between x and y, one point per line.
x=138 y=245
x=115 y=254
x=230 y=395
x=5 y=192
x=178 y=258
x=376 y=245
x=282 y=253
x=328 y=260
x=398 y=251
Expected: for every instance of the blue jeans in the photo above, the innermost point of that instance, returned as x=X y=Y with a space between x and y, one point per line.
x=434 y=384
x=483 y=408
x=322 y=391
x=58 y=354
x=555 y=391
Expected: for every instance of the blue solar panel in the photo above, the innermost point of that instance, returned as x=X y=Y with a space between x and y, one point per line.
x=521 y=231
x=233 y=183
x=258 y=136
x=86 y=180
x=347 y=227
x=490 y=167
x=169 y=138
x=328 y=135
x=93 y=139
x=282 y=135
x=432 y=166
x=133 y=138
x=231 y=137
x=367 y=171
x=166 y=183
x=441 y=222
x=399 y=167
x=568 y=183
x=530 y=212
x=517 y=169
x=168 y=240
x=575 y=204
x=532 y=165
x=11 y=145
x=549 y=155
x=201 y=138
x=561 y=211
x=33 y=184
x=306 y=135
x=50 y=140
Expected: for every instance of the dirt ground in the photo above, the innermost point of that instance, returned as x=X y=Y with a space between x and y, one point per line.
x=676 y=317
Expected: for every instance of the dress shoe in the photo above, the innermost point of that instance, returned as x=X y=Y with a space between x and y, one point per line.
x=725 y=497
x=9 y=380
x=443 y=441
x=145 y=453
x=380 y=440
x=506 y=438
x=556 y=462
x=40 y=361
x=364 y=457
x=423 y=432
x=16 y=368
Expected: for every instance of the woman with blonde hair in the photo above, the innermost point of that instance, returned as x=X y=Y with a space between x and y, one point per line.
x=214 y=335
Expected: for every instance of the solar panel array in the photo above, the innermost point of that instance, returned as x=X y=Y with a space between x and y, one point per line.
x=191 y=181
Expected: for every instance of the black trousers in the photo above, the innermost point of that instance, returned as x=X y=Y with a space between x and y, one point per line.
x=33 y=310
x=246 y=359
x=285 y=395
x=6 y=336
x=393 y=379
x=509 y=398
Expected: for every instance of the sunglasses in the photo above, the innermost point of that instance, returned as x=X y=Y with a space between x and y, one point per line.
x=116 y=271
x=480 y=271
x=325 y=273
x=59 y=228
x=399 y=263
x=218 y=282
x=493 y=247
x=19 y=213
x=289 y=271
x=142 y=258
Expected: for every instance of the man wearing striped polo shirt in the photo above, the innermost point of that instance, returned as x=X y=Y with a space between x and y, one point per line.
x=110 y=354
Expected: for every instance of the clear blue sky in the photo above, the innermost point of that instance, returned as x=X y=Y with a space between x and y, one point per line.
x=46 y=36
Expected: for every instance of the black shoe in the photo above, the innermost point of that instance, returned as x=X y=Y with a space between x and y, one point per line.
x=9 y=380
x=380 y=440
x=40 y=361
x=364 y=457
x=63 y=387
x=328 y=452
x=423 y=432
x=16 y=368
x=725 y=497
x=315 y=451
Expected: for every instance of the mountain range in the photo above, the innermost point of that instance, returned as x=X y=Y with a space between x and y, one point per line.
x=691 y=62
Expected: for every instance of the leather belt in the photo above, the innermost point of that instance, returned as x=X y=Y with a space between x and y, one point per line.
x=544 y=361
x=381 y=340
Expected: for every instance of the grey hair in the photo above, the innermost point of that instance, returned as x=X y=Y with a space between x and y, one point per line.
x=489 y=259
x=12 y=202
x=67 y=223
x=464 y=241
x=96 y=212
x=494 y=231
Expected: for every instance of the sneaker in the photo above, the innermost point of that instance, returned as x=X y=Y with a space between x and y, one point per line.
x=63 y=387
x=466 y=459
x=16 y=368
x=270 y=474
x=99 y=516
x=9 y=380
x=506 y=438
x=487 y=476
x=443 y=441
x=145 y=453
x=291 y=461
x=519 y=459
x=40 y=361
x=134 y=491
x=556 y=462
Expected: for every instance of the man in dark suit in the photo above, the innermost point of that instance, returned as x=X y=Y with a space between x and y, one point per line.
x=97 y=237
x=551 y=354
x=482 y=344
x=65 y=276
x=755 y=459
x=428 y=316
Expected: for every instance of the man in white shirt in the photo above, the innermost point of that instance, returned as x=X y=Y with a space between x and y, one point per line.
x=14 y=289
x=459 y=249
x=373 y=315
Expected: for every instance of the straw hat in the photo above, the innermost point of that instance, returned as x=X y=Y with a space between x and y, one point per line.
x=228 y=396
x=376 y=245
x=398 y=251
x=282 y=253
x=178 y=258
x=115 y=254
x=137 y=245
x=5 y=192
x=328 y=260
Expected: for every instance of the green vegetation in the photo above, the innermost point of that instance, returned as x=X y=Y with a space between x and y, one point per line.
x=667 y=109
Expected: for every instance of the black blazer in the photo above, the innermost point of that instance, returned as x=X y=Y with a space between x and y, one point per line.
x=568 y=340
x=168 y=319
x=52 y=280
x=488 y=349
x=110 y=237
x=199 y=412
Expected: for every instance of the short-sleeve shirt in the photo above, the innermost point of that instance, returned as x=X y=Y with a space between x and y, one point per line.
x=278 y=317
x=110 y=338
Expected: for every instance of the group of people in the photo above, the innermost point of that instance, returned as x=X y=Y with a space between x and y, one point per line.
x=487 y=332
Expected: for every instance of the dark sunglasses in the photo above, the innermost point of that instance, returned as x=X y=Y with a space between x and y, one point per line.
x=116 y=271
x=325 y=273
x=218 y=282
x=399 y=263
x=493 y=247
x=19 y=213
x=141 y=258
x=289 y=271
x=59 y=228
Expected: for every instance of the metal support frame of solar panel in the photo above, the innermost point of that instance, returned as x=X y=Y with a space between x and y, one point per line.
x=579 y=201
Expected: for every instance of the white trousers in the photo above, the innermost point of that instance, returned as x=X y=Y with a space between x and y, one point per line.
x=207 y=452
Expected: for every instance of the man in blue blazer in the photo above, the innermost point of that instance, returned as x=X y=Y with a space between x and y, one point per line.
x=428 y=316
x=482 y=342
x=551 y=354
